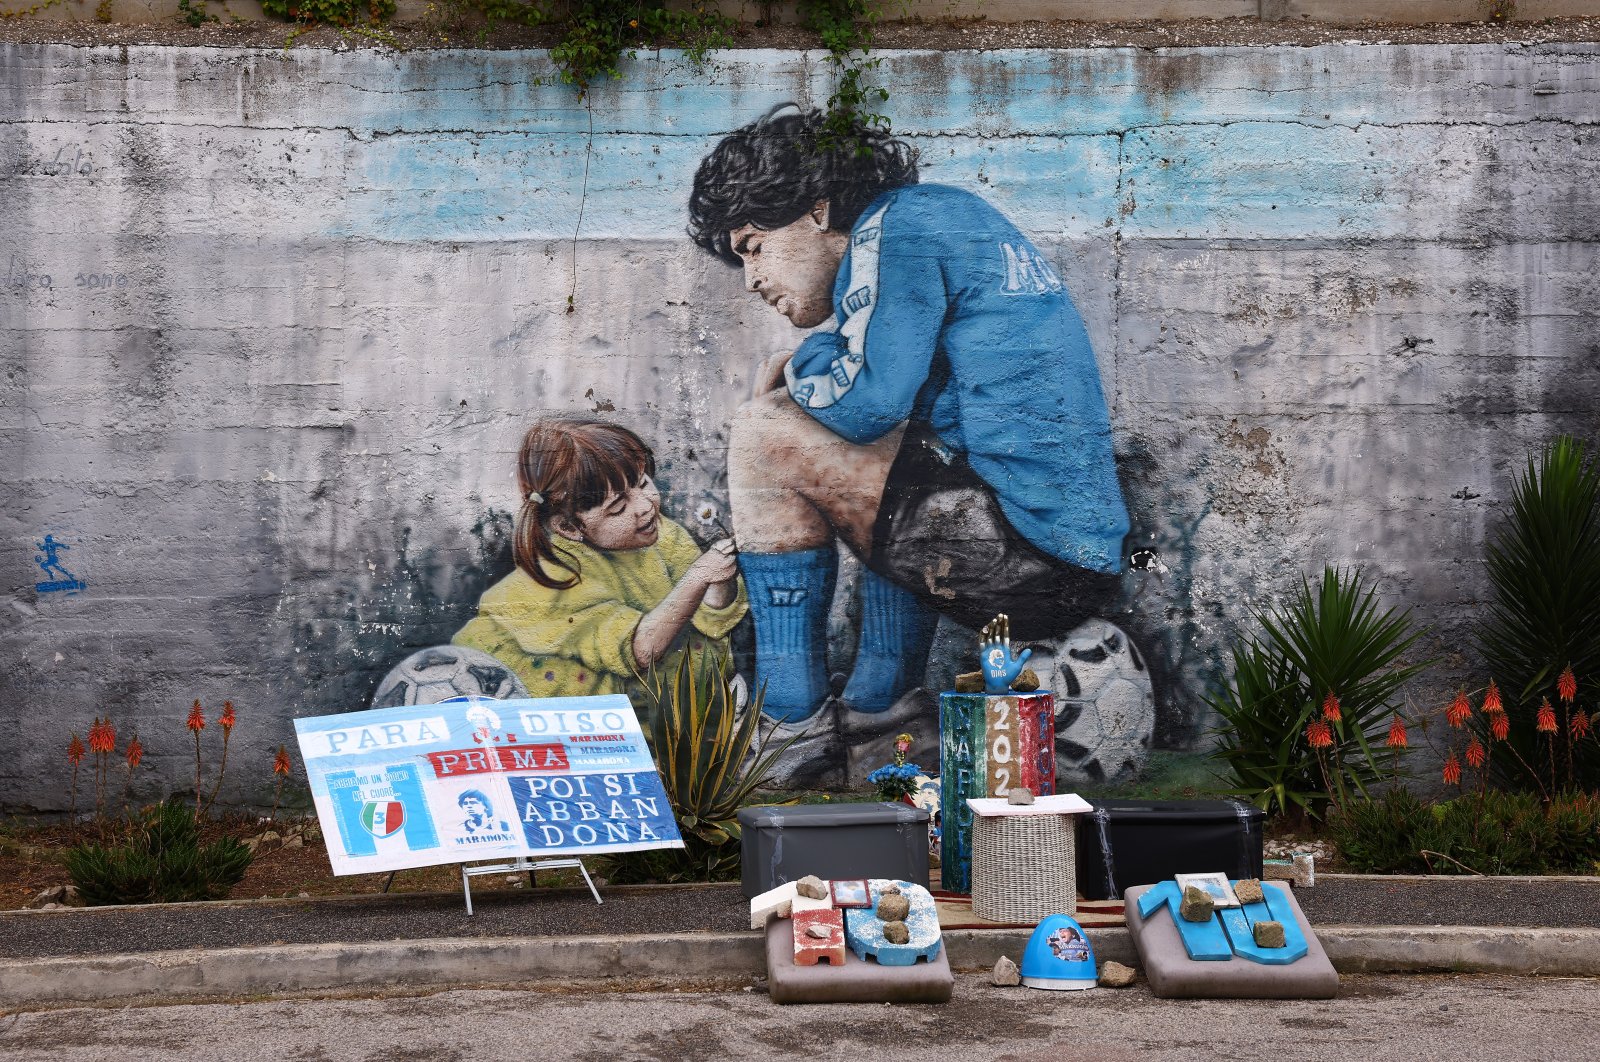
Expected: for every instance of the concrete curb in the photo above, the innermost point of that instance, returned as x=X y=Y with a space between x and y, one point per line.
x=257 y=971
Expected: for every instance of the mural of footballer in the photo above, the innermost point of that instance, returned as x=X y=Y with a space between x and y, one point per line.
x=945 y=420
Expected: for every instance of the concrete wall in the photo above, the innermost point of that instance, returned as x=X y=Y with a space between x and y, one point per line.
x=1341 y=12
x=271 y=325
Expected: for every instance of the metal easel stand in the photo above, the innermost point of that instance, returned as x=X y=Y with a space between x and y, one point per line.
x=518 y=865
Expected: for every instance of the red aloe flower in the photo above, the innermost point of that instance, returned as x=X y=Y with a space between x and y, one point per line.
x=227 y=718
x=197 y=718
x=1475 y=754
x=135 y=752
x=1330 y=708
x=1567 y=685
x=1460 y=710
x=1319 y=735
x=1452 y=769
x=102 y=737
x=1546 y=723
x=1397 y=734
x=1500 y=726
x=75 y=750
x=1580 y=725
x=280 y=762
x=1491 y=700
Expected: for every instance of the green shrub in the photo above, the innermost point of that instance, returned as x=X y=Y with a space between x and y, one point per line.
x=1328 y=640
x=1490 y=833
x=162 y=862
x=331 y=12
x=701 y=742
x=1544 y=566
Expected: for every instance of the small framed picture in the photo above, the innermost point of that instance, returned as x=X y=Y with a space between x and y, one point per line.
x=1215 y=885
x=851 y=892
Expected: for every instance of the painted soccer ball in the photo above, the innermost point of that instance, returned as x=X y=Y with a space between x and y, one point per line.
x=1105 y=704
x=429 y=676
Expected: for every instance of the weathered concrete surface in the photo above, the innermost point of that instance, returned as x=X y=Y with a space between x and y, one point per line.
x=272 y=322
x=1332 y=11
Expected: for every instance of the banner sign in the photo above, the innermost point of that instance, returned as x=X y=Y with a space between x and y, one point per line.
x=425 y=784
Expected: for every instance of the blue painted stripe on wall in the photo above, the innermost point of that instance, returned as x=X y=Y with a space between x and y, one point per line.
x=1217 y=143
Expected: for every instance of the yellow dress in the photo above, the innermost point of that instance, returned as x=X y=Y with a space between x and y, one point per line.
x=579 y=641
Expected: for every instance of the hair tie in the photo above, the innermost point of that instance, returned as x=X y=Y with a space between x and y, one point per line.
x=535 y=497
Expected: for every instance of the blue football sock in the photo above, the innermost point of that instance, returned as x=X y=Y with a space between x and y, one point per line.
x=790 y=594
x=896 y=632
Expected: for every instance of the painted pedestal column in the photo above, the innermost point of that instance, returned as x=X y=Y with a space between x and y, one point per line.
x=988 y=745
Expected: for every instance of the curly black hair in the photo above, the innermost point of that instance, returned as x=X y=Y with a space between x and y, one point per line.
x=774 y=170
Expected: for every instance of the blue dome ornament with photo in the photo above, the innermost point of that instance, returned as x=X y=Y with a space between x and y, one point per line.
x=1059 y=956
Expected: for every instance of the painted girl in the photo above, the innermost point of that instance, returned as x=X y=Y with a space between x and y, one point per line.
x=605 y=586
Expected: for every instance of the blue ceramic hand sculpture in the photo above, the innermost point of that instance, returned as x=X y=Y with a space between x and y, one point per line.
x=1000 y=668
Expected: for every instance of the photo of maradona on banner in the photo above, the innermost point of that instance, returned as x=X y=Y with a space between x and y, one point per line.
x=425 y=784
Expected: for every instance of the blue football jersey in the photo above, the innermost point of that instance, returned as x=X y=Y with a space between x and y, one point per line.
x=945 y=313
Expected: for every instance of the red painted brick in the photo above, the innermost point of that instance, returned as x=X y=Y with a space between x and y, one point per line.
x=809 y=950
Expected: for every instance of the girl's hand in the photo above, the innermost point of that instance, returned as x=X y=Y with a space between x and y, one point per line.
x=719 y=564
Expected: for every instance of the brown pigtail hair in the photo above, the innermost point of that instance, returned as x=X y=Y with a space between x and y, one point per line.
x=565 y=467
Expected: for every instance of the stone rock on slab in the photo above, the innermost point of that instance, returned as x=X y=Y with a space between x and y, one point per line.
x=893 y=907
x=1006 y=973
x=1116 y=975
x=819 y=932
x=896 y=932
x=1197 y=906
x=1248 y=890
x=1020 y=795
x=1026 y=682
x=970 y=682
x=1268 y=934
x=812 y=886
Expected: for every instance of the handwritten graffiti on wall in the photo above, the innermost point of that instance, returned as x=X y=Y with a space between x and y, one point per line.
x=943 y=419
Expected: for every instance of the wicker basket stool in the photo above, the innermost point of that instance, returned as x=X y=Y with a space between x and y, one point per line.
x=1023 y=868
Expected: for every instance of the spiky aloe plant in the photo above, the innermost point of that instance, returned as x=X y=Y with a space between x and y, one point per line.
x=1328 y=642
x=163 y=861
x=703 y=745
x=1544 y=567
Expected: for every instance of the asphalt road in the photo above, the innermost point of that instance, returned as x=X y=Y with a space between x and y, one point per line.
x=1448 y=1017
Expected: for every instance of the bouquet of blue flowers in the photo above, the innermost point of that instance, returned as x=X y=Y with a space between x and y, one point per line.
x=898 y=780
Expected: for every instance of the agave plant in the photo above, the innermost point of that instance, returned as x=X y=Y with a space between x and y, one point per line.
x=1313 y=695
x=711 y=757
x=163 y=861
x=1544 y=567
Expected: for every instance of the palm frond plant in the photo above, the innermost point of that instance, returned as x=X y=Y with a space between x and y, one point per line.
x=1544 y=568
x=711 y=757
x=1313 y=695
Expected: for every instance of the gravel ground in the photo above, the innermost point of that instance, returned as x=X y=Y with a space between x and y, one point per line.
x=977 y=34
x=712 y=908
x=540 y=913
x=1543 y=903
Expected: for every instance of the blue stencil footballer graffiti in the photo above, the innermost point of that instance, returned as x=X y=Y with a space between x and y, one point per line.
x=49 y=559
x=944 y=419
